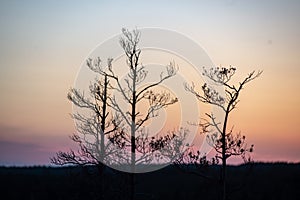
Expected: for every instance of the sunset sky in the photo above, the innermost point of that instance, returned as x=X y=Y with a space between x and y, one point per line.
x=44 y=43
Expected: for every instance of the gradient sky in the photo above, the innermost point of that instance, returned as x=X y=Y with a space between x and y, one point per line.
x=43 y=44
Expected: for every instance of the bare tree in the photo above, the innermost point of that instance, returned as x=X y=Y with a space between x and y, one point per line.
x=94 y=126
x=135 y=138
x=224 y=141
x=134 y=93
x=109 y=133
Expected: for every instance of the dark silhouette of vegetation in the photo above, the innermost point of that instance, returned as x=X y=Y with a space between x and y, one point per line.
x=115 y=135
x=136 y=139
x=111 y=134
x=277 y=181
x=224 y=141
x=99 y=124
x=93 y=128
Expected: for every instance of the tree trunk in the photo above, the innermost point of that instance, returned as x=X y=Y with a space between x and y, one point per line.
x=133 y=145
x=224 y=158
x=103 y=119
x=101 y=166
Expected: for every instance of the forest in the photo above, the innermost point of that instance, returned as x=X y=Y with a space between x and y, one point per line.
x=248 y=181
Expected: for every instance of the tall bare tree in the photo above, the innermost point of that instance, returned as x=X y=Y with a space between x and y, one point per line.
x=134 y=94
x=222 y=139
x=135 y=137
x=119 y=134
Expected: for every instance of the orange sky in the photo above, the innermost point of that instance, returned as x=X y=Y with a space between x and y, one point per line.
x=44 y=44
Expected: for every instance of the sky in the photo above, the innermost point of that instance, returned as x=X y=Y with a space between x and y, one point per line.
x=44 y=43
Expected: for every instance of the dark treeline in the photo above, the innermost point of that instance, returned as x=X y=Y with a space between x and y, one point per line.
x=251 y=181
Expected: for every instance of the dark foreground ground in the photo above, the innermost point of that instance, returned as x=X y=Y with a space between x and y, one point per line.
x=255 y=181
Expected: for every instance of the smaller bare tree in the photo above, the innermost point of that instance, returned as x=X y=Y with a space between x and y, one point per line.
x=225 y=143
x=93 y=124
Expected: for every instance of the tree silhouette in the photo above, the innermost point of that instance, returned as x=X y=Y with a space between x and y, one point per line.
x=95 y=128
x=224 y=141
x=136 y=139
x=110 y=133
x=92 y=129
